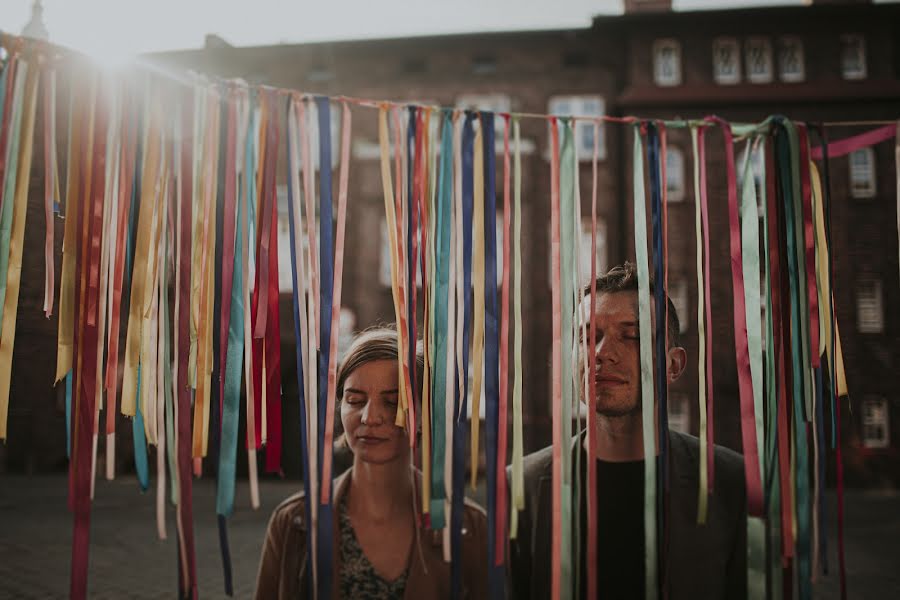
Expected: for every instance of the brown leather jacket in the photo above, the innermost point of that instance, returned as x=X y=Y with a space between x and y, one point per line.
x=284 y=569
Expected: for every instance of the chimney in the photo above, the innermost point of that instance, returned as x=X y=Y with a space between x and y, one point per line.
x=647 y=6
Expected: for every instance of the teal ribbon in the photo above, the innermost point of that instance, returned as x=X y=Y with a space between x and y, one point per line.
x=442 y=276
x=567 y=238
x=647 y=400
x=140 y=442
x=786 y=148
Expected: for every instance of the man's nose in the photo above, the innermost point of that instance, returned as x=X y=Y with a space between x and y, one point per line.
x=606 y=350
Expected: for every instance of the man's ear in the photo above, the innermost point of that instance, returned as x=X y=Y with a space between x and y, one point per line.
x=677 y=361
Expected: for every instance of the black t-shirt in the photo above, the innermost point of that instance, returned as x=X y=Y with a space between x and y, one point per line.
x=620 y=531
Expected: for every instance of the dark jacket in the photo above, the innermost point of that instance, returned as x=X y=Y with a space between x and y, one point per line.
x=284 y=569
x=704 y=561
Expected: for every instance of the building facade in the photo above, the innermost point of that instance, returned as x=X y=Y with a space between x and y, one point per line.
x=821 y=63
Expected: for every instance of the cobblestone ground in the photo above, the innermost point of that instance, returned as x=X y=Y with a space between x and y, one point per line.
x=128 y=561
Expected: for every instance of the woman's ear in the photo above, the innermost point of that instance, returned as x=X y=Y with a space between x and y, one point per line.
x=676 y=363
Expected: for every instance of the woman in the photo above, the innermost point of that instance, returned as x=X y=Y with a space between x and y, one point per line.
x=379 y=552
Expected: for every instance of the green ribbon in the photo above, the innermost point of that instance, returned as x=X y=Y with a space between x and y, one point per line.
x=442 y=270
x=647 y=408
x=567 y=239
x=756 y=531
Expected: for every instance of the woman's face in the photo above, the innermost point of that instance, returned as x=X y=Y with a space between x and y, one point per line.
x=368 y=410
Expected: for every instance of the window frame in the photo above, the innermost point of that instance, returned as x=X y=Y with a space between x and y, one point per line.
x=735 y=45
x=578 y=104
x=863 y=71
x=865 y=325
x=676 y=78
x=766 y=44
x=869 y=420
x=871 y=188
x=783 y=75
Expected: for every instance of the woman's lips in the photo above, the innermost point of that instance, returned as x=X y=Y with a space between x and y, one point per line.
x=369 y=440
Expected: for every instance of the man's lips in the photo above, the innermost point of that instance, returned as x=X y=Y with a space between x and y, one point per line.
x=610 y=380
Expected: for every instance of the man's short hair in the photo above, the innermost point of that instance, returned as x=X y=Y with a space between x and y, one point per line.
x=624 y=278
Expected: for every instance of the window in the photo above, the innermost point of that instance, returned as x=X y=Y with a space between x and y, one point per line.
x=679 y=412
x=666 y=62
x=869 y=306
x=790 y=59
x=678 y=293
x=674 y=174
x=582 y=106
x=759 y=60
x=853 y=57
x=726 y=61
x=862 y=173
x=876 y=424
x=584 y=252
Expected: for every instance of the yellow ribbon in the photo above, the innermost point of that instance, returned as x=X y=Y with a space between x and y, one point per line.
x=14 y=273
x=150 y=177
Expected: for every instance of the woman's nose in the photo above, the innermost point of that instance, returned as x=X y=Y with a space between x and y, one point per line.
x=370 y=415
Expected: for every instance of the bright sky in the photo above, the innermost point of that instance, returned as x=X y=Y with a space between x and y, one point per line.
x=116 y=29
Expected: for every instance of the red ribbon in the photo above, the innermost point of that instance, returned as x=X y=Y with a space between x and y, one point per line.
x=188 y=563
x=745 y=383
x=556 y=567
x=857 y=142
x=273 y=340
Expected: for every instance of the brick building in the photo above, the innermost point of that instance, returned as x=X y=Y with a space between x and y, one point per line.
x=820 y=63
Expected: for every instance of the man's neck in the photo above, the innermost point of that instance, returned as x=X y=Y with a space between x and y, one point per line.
x=620 y=438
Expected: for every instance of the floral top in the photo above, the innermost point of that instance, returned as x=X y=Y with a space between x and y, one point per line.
x=359 y=580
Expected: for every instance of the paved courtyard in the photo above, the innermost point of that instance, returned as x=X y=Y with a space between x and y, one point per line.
x=128 y=561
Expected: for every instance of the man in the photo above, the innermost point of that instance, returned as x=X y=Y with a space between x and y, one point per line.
x=702 y=561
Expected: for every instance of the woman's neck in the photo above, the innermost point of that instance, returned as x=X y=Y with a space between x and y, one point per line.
x=380 y=492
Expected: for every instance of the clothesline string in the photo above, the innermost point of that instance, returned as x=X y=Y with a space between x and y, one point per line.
x=16 y=44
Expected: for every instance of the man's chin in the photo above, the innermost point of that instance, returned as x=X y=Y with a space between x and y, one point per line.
x=617 y=411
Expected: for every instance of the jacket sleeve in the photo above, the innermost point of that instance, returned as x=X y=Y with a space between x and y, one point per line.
x=519 y=561
x=736 y=571
x=268 y=578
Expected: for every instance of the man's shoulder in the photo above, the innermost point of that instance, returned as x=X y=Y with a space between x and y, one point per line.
x=538 y=463
x=729 y=464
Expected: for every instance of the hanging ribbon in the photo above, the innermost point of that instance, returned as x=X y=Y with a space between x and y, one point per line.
x=336 y=302
x=647 y=408
x=557 y=548
x=442 y=313
x=518 y=479
x=854 y=143
x=745 y=382
x=502 y=507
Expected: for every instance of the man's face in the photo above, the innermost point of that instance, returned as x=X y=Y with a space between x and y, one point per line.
x=618 y=352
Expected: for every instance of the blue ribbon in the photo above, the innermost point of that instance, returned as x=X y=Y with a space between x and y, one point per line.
x=653 y=162
x=491 y=347
x=442 y=276
x=140 y=442
x=461 y=424
x=326 y=279
x=304 y=443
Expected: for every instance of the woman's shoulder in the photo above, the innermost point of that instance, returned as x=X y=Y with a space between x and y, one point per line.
x=291 y=511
